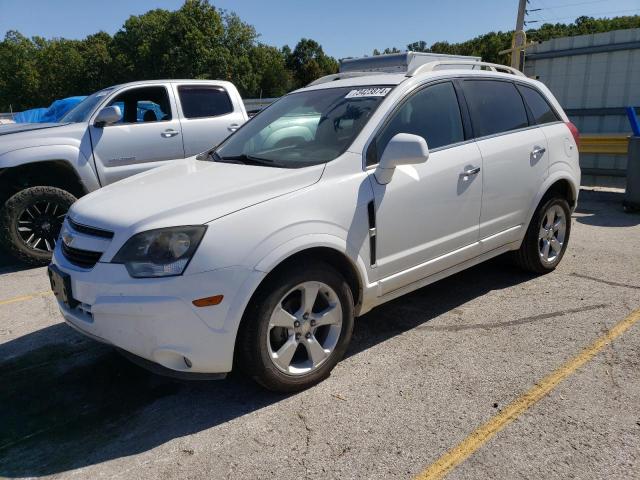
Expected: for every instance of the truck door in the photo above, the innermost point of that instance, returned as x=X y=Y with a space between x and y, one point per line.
x=209 y=113
x=148 y=134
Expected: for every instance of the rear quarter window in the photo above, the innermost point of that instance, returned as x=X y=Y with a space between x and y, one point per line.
x=201 y=101
x=495 y=107
x=539 y=106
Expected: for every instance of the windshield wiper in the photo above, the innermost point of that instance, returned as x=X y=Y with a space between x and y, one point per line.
x=245 y=160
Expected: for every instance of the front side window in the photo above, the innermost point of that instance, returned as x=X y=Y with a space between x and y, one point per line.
x=143 y=105
x=540 y=108
x=305 y=128
x=432 y=113
x=495 y=107
x=200 y=101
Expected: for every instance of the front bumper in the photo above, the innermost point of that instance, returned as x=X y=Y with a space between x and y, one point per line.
x=154 y=318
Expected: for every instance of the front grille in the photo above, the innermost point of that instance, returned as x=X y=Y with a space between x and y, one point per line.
x=80 y=258
x=96 y=232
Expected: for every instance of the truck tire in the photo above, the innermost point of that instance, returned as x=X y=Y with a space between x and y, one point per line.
x=30 y=222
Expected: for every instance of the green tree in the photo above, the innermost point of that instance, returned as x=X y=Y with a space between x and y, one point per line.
x=420 y=46
x=309 y=62
x=19 y=78
x=274 y=80
x=200 y=41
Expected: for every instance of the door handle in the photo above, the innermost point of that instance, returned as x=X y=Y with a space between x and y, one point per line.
x=537 y=152
x=233 y=127
x=471 y=171
x=169 y=133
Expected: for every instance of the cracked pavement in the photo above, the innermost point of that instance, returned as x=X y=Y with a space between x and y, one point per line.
x=422 y=373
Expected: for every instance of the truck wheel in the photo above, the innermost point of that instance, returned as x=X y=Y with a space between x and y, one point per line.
x=297 y=329
x=547 y=237
x=30 y=222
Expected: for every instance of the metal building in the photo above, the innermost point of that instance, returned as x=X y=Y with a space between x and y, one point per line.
x=594 y=78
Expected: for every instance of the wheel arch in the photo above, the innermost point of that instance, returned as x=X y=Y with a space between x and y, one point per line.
x=50 y=173
x=565 y=189
x=322 y=253
x=561 y=184
x=330 y=254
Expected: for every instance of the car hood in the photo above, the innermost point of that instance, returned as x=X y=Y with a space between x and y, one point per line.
x=187 y=192
x=25 y=135
x=25 y=127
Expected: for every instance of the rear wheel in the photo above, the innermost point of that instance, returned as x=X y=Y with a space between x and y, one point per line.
x=30 y=222
x=547 y=237
x=297 y=329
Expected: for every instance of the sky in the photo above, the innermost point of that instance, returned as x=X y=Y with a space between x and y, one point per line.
x=343 y=27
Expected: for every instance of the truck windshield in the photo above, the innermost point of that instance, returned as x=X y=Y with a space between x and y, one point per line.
x=82 y=111
x=305 y=128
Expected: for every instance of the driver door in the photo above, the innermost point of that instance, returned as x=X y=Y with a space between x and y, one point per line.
x=147 y=136
x=427 y=217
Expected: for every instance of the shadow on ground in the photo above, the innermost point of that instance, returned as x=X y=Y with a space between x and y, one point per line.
x=604 y=209
x=68 y=402
x=8 y=264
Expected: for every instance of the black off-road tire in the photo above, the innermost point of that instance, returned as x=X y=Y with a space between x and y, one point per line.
x=528 y=256
x=14 y=207
x=252 y=355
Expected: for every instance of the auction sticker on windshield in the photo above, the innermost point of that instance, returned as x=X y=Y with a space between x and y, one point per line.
x=368 y=92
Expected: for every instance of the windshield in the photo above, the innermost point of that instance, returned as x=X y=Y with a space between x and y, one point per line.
x=82 y=111
x=302 y=129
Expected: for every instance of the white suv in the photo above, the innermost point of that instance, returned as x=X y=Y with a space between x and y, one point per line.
x=337 y=198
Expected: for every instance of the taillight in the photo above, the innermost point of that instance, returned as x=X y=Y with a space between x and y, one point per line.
x=574 y=131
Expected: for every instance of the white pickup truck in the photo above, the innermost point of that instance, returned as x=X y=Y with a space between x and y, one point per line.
x=112 y=134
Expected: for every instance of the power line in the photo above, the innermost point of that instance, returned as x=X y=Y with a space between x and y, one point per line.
x=554 y=7
x=592 y=14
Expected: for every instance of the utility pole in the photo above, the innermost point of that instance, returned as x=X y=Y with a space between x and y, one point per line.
x=519 y=38
x=522 y=8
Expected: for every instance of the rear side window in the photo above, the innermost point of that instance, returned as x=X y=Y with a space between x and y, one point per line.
x=432 y=113
x=540 y=108
x=200 y=101
x=495 y=107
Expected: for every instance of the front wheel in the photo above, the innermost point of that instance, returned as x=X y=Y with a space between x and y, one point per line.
x=297 y=329
x=30 y=222
x=547 y=237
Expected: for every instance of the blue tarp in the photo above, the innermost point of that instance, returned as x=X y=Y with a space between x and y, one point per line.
x=54 y=113
x=59 y=108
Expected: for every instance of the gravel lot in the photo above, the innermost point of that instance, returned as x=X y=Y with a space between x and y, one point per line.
x=423 y=372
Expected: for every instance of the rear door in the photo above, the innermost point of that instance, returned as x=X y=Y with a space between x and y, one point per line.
x=147 y=136
x=209 y=113
x=514 y=157
x=560 y=143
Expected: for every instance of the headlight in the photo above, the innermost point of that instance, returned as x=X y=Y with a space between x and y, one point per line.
x=164 y=252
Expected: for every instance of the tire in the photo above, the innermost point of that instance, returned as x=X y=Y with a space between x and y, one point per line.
x=36 y=210
x=260 y=341
x=540 y=239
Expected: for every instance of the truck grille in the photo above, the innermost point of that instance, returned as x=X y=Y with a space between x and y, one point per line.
x=80 y=258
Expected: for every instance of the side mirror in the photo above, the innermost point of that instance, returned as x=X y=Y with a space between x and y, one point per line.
x=107 y=116
x=402 y=149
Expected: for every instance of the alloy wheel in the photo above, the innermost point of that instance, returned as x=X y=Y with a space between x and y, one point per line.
x=304 y=328
x=551 y=236
x=39 y=225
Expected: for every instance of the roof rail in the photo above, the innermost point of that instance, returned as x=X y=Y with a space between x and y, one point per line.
x=340 y=76
x=494 y=67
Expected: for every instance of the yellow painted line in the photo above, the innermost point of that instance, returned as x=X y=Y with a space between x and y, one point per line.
x=25 y=297
x=484 y=433
x=610 y=144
